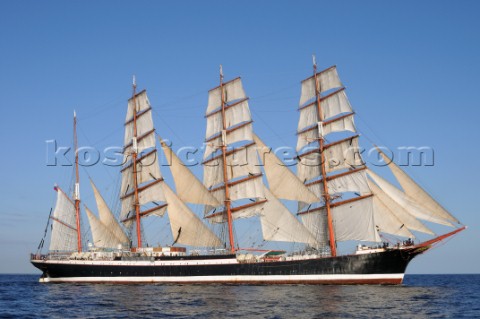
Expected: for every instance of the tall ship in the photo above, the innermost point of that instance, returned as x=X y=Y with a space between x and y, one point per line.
x=295 y=224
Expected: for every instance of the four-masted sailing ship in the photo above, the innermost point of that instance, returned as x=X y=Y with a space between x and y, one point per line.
x=339 y=200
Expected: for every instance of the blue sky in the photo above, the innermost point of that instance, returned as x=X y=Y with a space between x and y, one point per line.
x=411 y=69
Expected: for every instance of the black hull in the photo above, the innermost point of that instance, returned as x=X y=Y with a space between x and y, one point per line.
x=387 y=267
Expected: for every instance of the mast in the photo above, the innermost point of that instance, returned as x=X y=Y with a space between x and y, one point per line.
x=326 y=194
x=77 y=185
x=141 y=177
x=224 y=159
x=134 y=162
x=230 y=147
x=335 y=169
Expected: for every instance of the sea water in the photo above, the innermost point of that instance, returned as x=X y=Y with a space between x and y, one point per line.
x=420 y=296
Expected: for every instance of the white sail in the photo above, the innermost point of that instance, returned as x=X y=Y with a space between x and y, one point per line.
x=281 y=181
x=418 y=194
x=335 y=104
x=145 y=178
x=308 y=117
x=144 y=142
x=141 y=102
x=309 y=167
x=405 y=201
x=144 y=117
x=149 y=177
x=313 y=133
x=234 y=115
x=189 y=188
x=212 y=173
x=101 y=234
x=151 y=193
x=340 y=125
x=278 y=224
x=247 y=211
x=308 y=90
x=327 y=80
x=355 y=221
x=154 y=193
x=331 y=106
x=240 y=162
x=64 y=232
x=187 y=228
x=127 y=181
x=340 y=155
x=405 y=219
x=387 y=222
x=251 y=187
x=148 y=168
x=107 y=218
x=307 y=137
x=317 y=225
x=224 y=129
x=250 y=210
x=127 y=210
x=240 y=133
x=244 y=181
x=317 y=189
x=233 y=90
x=144 y=125
x=343 y=155
x=354 y=182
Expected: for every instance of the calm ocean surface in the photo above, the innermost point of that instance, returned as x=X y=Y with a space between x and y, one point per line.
x=421 y=296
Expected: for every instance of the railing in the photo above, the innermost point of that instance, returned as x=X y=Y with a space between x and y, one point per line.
x=50 y=256
x=38 y=257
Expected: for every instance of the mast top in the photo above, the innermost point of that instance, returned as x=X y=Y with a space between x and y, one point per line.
x=221 y=73
x=314 y=60
x=134 y=81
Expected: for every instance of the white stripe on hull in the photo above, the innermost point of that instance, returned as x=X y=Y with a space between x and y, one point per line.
x=141 y=263
x=326 y=279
